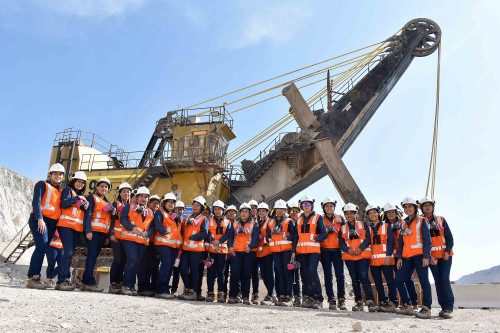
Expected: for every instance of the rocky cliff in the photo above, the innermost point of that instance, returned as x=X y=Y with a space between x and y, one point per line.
x=491 y=275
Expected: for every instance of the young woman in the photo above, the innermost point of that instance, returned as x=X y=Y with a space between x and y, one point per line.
x=293 y=212
x=167 y=241
x=96 y=224
x=382 y=261
x=147 y=267
x=180 y=207
x=355 y=245
x=441 y=256
x=331 y=255
x=255 y=269
x=414 y=253
x=43 y=220
x=219 y=231
x=54 y=254
x=392 y=215
x=242 y=246
x=137 y=223
x=194 y=232
x=264 y=257
x=231 y=212
x=311 y=232
x=70 y=225
x=280 y=234
x=115 y=235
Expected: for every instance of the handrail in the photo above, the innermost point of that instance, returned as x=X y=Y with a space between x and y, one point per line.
x=19 y=233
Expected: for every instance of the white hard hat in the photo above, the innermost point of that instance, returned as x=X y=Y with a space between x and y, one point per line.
x=350 y=207
x=180 y=204
x=125 y=185
x=154 y=197
x=169 y=196
x=409 y=201
x=426 y=199
x=389 y=206
x=328 y=200
x=245 y=206
x=370 y=207
x=263 y=205
x=143 y=190
x=219 y=204
x=201 y=200
x=293 y=204
x=103 y=180
x=253 y=202
x=280 y=204
x=80 y=175
x=306 y=198
x=231 y=207
x=58 y=167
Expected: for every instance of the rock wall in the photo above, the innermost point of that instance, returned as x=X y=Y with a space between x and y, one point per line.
x=16 y=192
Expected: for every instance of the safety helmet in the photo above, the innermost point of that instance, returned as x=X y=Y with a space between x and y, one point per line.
x=245 y=206
x=280 y=204
x=409 y=201
x=350 y=207
x=231 y=207
x=253 y=202
x=389 y=206
x=306 y=198
x=370 y=207
x=328 y=200
x=154 y=197
x=293 y=204
x=58 y=167
x=263 y=205
x=143 y=190
x=103 y=180
x=169 y=196
x=80 y=175
x=426 y=199
x=219 y=204
x=125 y=185
x=201 y=200
x=180 y=204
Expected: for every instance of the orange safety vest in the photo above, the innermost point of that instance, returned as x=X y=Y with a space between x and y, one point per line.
x=100 y=220
x=51 y=201
x=217 y=233
x=56 y=242
x=263 y=249
x=279 y=243
x=332 y=240
x=136 y=219
x=191 y=229
x=438 y=240
x=71 y=217
x=412 y=244
x=118 y=227
x=241 y=240
x=355 y=242
x=306 y=243
x=173 y=238
x=379 y=245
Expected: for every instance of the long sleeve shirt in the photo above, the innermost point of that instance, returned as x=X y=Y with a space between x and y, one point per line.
x=36 y=203
x=66 y=199
x=364 y=244
x=229 y=231
x=448 y=236
x=424 y=233
x=128 y=225
x=87 y=219
x=320 y=230
x=254 y=241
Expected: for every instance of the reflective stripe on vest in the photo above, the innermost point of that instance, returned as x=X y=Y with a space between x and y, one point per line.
x=419 y=244
x=48 y=191
x=168 y=241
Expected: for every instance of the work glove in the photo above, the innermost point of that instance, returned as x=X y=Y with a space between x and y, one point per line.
x=276 y=230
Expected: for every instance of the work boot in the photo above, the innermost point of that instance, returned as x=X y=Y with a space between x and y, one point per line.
x=424 y=313
x=280 y=301
x=255 y=299
x=317 y=304
x=358 y=306
x=210 y=297
x=239 y=300
x=341 y=304
x=35 y=283
x=128 y=291
x=274 y=299
x=297 y=302
x=232 y=301
x=447 y=314
x=405 y=309
x=190 y=296
x=308 y=302
x=332 y=305
x=184 y=294
x=64 y=286
x=267 y=300
x=200 y=298
x=92 y=288
x=388 y=307
x=145 y=293
x=371 y=306
x=165 y=296
x=288 y=302
x=221 y=297
x=49 y=282
x=246 y=301
x=114 y=288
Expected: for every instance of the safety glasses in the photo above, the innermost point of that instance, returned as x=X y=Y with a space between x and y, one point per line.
x=306 y=204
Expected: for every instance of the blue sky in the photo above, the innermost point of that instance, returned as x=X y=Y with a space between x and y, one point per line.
x=115 y=67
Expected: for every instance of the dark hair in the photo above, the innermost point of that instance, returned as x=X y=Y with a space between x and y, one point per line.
x=71 y=185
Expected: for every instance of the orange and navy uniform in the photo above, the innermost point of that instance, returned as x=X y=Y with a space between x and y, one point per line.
x=281 y=242
x=56 y=242
x=218 y=229
x=332 y=240
x=116 y=228
x=130 y=219
x=239 y=241
x=311 y=232
x=263 y=247
x=71 y=215
x=442 y=239
x=396 y=233
x=96 y=219
x=418 y=242
x=382 y=244
x=46 y=201
x=194 y=235
x=167 y=230
x=362 y=241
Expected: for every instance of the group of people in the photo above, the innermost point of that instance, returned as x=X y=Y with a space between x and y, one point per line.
x=153 y=241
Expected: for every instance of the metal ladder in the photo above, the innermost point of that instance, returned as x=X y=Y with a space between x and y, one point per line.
x=25 y=242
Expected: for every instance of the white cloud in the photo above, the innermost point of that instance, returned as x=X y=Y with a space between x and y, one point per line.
x=275 y=23
x=94 y=8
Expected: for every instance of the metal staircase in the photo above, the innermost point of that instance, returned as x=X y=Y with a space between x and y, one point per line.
x=25 y=241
